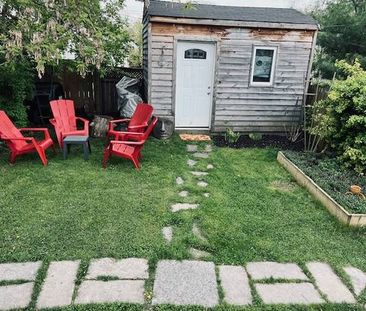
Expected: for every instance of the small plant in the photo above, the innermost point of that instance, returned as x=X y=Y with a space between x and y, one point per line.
x=255 y=136
x=231 y=137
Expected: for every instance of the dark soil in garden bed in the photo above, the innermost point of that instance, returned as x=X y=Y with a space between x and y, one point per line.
x=275 y=141
x=332 y=177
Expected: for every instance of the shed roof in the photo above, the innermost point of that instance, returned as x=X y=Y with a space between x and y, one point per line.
x=229 y=13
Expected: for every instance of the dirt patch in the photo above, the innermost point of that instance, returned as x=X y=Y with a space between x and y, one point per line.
x=275 y=141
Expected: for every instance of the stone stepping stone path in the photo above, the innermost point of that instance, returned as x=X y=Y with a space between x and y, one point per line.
x=202 y=184
x=199 y=174
x=17 y=296
x=179 y=181
x=295 y=293
x=188 y=282
x=358 y=279
x=191 y=163
x=235 y=284
x=210 y=167
x=192 y=148
x=168 y=234
x=109 y=292
x=208 y=148
x=329 y=283
x=59 y=285
x=201 y=155
x=183 y=206
x=198 y=254
x=198 y=234
x=274 y=270
x=183 y=194
x=206 y=195
x=130 y=268
x=185 y=283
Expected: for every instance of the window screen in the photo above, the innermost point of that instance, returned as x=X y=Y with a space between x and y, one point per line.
x=263 y=65
x=195 y=54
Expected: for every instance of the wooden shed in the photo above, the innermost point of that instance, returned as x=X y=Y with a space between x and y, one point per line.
x=214 y=67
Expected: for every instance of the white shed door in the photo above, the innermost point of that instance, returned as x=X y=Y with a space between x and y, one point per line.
x=194 y=84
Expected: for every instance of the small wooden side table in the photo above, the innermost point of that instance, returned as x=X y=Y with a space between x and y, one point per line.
x=77 y=140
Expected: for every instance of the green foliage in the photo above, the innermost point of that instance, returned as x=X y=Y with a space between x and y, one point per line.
x=342 y=34
x=231 y=137
x=16 y=85
x=42 y=31
x=135 y=52
x=341 y=118
x=255 y=136
x=331 y=176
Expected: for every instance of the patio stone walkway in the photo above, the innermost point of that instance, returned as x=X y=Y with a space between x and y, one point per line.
x=187 y=282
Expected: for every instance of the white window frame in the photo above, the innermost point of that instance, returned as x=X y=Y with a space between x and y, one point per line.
x=270 y=83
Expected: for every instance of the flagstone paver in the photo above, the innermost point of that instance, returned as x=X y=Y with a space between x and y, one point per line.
x=112 y=291
x=183 y=194
x=19 y=271
x=199 y=174
x=210 y=167
x=179 y=181
x=208 y=148
x=197 y=233
x=129 y=268
x=329 y=283
x=192 y=148
x=185 y=283
x=198 y=254
x=275 y=270
x=191 y=163
x=201 y=155
x=183 y=206
x=235 y=284
x=202 y=184
x=16 y=296
x=206 y=195
x=358 y=279
x=58 y=287
x=168 y=234
x=288 y=293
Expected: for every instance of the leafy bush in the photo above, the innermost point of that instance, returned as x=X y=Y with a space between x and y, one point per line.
x=255 y=136
x=231 y=137
x=341 y=118
x=16 y=85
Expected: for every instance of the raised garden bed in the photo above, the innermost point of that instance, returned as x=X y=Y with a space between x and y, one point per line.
x=274 y=141
x=328 y=182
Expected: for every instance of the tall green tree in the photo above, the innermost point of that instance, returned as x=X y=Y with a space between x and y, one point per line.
x=342 y=35
x=39 y=33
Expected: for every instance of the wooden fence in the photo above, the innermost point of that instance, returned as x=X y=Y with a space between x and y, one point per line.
x=93 y=93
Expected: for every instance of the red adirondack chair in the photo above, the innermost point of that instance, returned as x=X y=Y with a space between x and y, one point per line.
x=138 y=123
x=65 y=120
x=130 y=150
x=19 y=144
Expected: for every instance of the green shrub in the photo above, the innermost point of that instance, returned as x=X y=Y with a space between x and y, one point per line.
x=231 y=137
x=255 y=136
x=16 y=85
x=341 y=118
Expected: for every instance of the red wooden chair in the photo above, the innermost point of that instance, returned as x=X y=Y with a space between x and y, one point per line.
x=130 y=150
x=65 y=120
x=137 y=124
x=19 y=144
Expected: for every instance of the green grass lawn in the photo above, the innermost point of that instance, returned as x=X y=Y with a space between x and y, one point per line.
x=74 y=209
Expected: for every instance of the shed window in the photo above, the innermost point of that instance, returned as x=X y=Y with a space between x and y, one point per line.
x=263 y=66
x=195 y=54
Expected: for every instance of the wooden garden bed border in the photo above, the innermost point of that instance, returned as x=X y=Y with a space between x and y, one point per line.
x=356 y=220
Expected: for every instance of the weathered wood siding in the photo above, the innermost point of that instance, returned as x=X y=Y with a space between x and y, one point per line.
x=237 y=104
